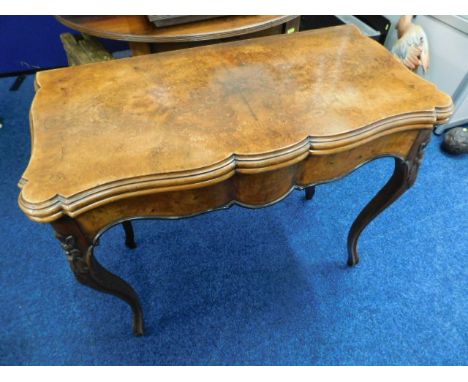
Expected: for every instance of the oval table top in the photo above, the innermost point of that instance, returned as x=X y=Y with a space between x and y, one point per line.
x=140 y=29
x=181 y=118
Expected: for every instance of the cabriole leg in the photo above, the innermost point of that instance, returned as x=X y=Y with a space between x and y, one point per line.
x=403 y=177
x=129 y=234
x=88 y=271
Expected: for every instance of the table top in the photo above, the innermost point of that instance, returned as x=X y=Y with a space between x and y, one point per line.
x=140 y=29
x=180 y=119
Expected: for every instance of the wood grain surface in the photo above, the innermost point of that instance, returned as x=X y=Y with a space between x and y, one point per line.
x=190 y=119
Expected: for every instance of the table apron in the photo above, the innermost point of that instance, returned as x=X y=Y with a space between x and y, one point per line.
x=249 y=190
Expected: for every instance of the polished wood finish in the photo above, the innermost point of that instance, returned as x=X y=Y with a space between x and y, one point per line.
x=140 y=29
x=185 y=132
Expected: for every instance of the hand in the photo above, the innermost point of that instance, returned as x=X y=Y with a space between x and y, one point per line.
x=412 y=60
x=425 y=61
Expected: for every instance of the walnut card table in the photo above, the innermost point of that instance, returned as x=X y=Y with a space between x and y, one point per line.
x=185 y=132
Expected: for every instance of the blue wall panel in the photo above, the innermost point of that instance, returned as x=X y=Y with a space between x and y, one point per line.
x=33 y=42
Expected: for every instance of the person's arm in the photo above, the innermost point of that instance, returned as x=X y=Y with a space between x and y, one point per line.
x=425 y=53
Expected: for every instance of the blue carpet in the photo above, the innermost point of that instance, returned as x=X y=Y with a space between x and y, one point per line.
x=247 y=287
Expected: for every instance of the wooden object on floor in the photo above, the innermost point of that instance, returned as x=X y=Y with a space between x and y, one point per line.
x=83 y=49
x=144 y=36
x=178 y=134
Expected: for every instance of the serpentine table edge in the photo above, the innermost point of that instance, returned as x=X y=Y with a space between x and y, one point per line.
x=252 y=179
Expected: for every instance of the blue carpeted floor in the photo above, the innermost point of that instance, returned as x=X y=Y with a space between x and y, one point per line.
x=243 y=286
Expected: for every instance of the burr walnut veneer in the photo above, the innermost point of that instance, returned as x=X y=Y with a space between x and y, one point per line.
x=184 y=132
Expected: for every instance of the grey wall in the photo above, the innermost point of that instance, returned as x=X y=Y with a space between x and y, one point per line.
x=448 y=49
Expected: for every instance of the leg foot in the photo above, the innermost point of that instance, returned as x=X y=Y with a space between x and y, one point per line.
x=309 y=192
x=129 y=234
x=353 y=258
